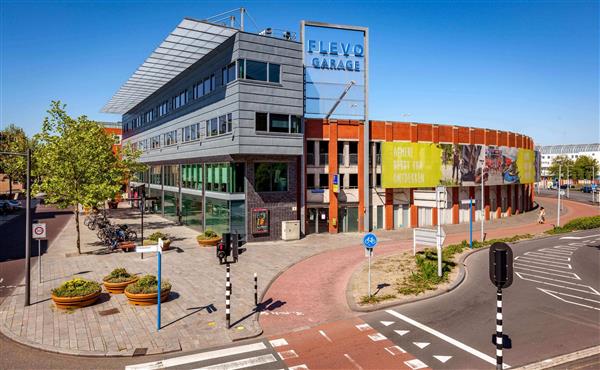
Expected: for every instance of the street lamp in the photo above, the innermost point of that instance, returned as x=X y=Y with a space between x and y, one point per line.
x=27 y=155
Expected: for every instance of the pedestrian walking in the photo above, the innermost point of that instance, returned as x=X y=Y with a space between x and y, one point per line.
x=542 y=216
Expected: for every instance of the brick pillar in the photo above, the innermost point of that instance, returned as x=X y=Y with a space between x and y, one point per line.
x=509 y=200
x=361 y=177
x=455 y=205
x=389 y=209
x=333 y=168
x=414 y=216
x=498 y=201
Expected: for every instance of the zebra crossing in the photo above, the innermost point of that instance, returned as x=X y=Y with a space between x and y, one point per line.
x=551 y=270
x=253 y=355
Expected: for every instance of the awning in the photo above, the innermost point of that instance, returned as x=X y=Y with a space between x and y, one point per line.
x=186 y=44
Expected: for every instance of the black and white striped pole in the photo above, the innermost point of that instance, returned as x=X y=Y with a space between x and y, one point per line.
x=499 y=343
x=228 y=298
x=501 y=275
x=255 y=289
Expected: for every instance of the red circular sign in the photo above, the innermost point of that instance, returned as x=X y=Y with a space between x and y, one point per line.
x=38 y=230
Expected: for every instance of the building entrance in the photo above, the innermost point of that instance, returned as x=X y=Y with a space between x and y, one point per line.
x=348 y=219
x=318 y=220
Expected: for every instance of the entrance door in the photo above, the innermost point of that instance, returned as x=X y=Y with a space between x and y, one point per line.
x=323 y=220
x=312 y=221
x=352 y=219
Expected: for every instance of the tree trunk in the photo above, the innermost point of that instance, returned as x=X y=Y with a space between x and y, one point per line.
x=77 y=228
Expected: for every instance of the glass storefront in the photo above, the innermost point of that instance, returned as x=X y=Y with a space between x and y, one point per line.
x=171 y=204
x=191 y=211
x=238 y=217
x=217 y=215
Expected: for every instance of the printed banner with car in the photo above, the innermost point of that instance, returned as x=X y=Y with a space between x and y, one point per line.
x=424 y=165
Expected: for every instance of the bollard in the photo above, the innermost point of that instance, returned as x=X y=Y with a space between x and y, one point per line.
x=228 y=298
x=499 y=338
x=255 y=290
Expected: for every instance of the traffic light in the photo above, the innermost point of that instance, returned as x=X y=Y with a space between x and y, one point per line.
x=237 y=243
x=224 y=248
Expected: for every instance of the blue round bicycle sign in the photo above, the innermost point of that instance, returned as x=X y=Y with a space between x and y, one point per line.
x=369 y=240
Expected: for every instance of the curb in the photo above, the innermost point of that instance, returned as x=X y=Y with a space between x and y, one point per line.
x=563 y=359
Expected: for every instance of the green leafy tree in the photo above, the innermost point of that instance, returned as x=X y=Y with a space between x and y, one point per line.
x=13 y=139
x=560 y=161
x=585 y=167
x=76 y=164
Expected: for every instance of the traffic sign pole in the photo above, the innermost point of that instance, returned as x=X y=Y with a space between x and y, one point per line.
x=369 y=242
x=370 y=252
x=39 y=261
x=39 y=233
x=471 y=224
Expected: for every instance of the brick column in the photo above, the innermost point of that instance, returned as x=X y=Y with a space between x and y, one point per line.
x=455 y=205
x=498 y=201
x=509 y=200
x=333 y=168
x=361 y=177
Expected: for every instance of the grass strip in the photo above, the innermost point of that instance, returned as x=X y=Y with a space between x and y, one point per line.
x=581 y=223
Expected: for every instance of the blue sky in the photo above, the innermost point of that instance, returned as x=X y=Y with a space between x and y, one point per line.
x=530 y=67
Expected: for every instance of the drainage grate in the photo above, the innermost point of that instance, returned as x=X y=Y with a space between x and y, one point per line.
x=140 y=351
x=111 y=311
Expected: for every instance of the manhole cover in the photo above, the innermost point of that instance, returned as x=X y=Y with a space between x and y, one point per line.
x=111 y=311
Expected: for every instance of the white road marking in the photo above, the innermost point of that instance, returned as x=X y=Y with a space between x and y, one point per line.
x=363 y=327
x=566 y=247
x=395 y=349
x=442 y=359
x=353 y=362
x=578 y=244
x=243 y=363
x=557 y=294
x=298 y=367
x=281 y=313
x=536 y=269
x=545 y=256
x=556 y=251
x=415 y=364
x=287 y=354
x=402 y=332
x=377 y=337
x=196 y=357
x=544 y=263
x=325 y=335
x=278 y=342
x=580 y=237
x=387 y=323
x=464 y=347
x=421 y=344
x=574 y=286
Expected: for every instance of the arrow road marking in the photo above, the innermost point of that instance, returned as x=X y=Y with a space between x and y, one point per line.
x=387 y=323
x=401 y=332
x=442 y=359
x=444 y=337
x=557 y=294
x=421 y=344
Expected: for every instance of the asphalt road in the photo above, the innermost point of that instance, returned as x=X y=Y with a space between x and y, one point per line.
x=552 y=308
x=574 y=195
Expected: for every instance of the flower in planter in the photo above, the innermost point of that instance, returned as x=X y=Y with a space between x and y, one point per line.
x=77 y=287
x=207 y=235
x=146 y=285
x=158 y=235
x=118 y=275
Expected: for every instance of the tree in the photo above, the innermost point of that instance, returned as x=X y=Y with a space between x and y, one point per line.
x=560 y=161
x=585 y=167
x=13 y=139
x=76 y=164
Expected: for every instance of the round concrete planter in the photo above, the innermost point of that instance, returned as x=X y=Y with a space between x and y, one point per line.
x=147 y=299
x=76 y=302
x=209 y=242
x=118 y=288
x=166 y=243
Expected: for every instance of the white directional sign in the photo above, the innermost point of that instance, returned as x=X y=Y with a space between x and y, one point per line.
x=427 y=236
x=38 y=231
x=467 y=201
x=427 y=198
x=150 y=248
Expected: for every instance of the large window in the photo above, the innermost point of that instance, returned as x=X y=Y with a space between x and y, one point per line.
x=259 y=71
x=278 y=123
x=190 y=133
x=271 y=177
x=162 y=108
x=170 y=138
x=219 y=125
x=191 y=176
x=180 y=100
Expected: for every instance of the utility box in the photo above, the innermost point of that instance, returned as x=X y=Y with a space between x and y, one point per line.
x=290 y=230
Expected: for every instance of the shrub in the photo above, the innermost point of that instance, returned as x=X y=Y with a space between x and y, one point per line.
x=77 y=287
x=158 y=235
x=376 y=298
x=208 y=234
x=118 y=275
x=581 y=223
x=146 y=285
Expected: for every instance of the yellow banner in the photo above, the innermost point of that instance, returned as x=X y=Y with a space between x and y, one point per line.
x=410 y=165
x=526 y=166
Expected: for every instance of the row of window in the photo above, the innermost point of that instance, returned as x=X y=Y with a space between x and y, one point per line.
x=323 y=180
x=218 y=126
x=246 y=69
x=282 y=123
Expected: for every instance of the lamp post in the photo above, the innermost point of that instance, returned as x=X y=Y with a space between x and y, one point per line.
x=27 y=155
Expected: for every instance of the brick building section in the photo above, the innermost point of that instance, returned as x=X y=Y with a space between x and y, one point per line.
x=283 y=206
x=339 y=130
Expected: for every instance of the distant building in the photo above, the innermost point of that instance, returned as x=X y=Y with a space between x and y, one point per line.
x=116 y=129
x=571 y=151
